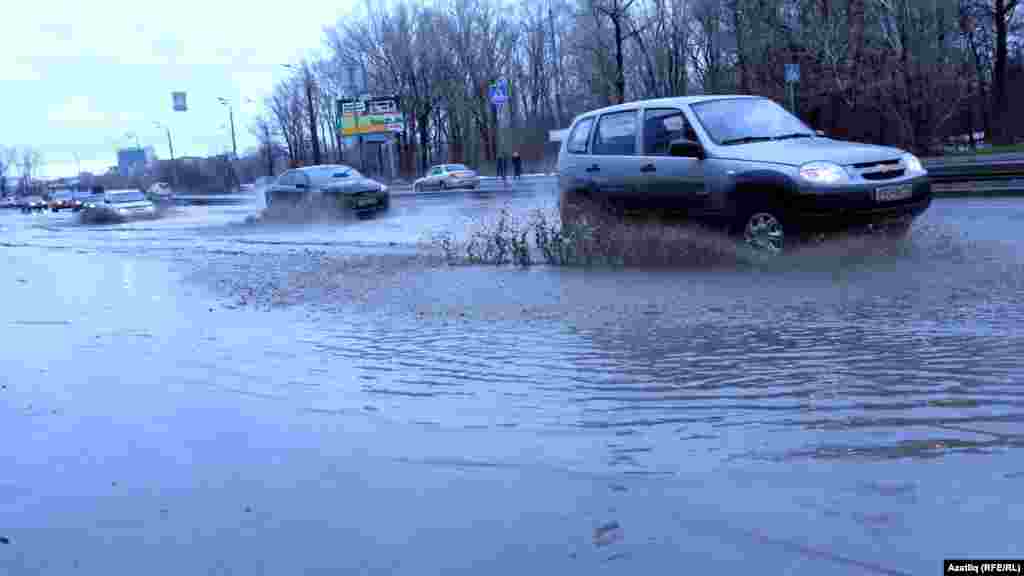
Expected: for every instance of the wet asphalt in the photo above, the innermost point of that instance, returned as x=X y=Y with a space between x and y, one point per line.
x=206 y=394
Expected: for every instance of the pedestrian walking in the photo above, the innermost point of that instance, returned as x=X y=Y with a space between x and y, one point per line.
x=501 y=167
x=517 y=165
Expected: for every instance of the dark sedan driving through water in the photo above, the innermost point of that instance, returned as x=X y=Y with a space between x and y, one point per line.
x=327 y=189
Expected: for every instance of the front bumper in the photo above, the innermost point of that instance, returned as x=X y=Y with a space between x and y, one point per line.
x=471 y=182
x=856 y=205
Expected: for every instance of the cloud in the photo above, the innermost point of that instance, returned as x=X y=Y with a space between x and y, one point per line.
x=77 y=112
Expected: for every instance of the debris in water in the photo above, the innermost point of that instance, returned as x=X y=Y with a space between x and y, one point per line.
x=248 y=509
x=607 y=534
x=5 y=540
x=618 y=488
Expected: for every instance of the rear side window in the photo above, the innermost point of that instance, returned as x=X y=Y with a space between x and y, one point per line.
x=616 y=134
x=578 y=138
x=661 y=127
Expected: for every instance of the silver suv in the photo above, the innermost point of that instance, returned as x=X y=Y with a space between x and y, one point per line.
x=742 y=162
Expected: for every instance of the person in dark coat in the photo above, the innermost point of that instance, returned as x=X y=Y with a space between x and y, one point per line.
x=517 y=165
x=501 y=166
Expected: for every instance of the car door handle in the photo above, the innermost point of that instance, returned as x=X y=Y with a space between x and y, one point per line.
x=648 y=168
x=594 y=168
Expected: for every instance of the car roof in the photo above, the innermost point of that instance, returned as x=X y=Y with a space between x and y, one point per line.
x=324 y=168
x=674 y=101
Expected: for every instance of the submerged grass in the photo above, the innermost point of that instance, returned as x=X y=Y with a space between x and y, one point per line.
x=595 y=239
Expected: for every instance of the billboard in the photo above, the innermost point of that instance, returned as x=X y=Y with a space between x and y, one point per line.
x=179 y=101
x=370 y=116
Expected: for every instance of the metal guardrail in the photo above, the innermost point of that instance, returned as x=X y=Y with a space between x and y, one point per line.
x=976 y=172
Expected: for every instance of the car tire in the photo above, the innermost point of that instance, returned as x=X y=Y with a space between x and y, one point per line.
x=764 y=229
x=444 y=185
x=417 y=188
x=898 y=230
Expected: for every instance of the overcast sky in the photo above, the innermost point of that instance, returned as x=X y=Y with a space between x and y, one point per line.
x=77 y=75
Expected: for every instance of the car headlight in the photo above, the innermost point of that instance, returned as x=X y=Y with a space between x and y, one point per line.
x=823 y=173
x=913 y=163
x=122 y=210
x=383 y=188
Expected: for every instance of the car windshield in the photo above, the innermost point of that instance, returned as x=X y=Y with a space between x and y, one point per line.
x=743 y=120
x=344 y=172
x=123 y=197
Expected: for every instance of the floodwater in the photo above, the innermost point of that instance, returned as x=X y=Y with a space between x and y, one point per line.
x=203 y=394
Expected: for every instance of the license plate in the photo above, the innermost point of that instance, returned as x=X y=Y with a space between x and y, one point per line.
x=892 y=193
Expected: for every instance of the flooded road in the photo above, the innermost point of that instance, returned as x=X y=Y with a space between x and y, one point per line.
x=203 y=394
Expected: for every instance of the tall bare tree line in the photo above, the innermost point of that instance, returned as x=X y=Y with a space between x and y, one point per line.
x=900 y=72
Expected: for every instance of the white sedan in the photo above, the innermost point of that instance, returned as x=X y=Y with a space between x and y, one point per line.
x=448 y=176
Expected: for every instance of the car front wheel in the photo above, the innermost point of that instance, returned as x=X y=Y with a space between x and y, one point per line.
x=764 y=231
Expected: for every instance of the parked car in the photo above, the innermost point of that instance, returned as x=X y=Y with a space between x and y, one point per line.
x=33 y=204
x=447 y=176
x=61 y=200
x=333 y=188
x=8 y=202
x=118 y=206
x=740 y=162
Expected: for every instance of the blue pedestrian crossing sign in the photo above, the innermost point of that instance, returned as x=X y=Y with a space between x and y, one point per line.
x=499 y=92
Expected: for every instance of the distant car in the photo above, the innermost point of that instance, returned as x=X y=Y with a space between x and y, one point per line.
x=9 y=202
x=160 y=194
x=83 y=197
x=447 y=176
x=33 y=204
x=119 y=206
x=61 y=200
x=328 y=187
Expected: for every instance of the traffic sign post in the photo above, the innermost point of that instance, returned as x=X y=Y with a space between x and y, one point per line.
x=792 y=79
x=498 y=94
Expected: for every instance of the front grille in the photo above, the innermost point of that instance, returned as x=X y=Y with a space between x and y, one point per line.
x=884 y=170
x=884 y=175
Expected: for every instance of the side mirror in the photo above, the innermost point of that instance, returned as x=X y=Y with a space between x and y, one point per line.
x=820 y=133
x=686 y=149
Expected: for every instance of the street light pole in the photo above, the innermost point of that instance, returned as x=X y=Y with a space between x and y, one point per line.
x=231 y=117
x=170 y=149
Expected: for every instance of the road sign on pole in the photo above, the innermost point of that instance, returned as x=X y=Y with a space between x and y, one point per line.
x=499 y=92
x=792 y=73
x=792 y=79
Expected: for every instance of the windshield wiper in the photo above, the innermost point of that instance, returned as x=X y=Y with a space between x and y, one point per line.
x=793 y=135
x=747 y=140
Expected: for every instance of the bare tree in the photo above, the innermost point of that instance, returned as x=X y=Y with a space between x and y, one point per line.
x=264 y=131
x=8 y=158
x=31 y=162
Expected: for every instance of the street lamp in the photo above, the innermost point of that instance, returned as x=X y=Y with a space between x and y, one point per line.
x=231 y=115
x=312 y=111
x=170 y=149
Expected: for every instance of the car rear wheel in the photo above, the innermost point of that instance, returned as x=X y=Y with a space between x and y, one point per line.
x=417 y=188
x=444 y=185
